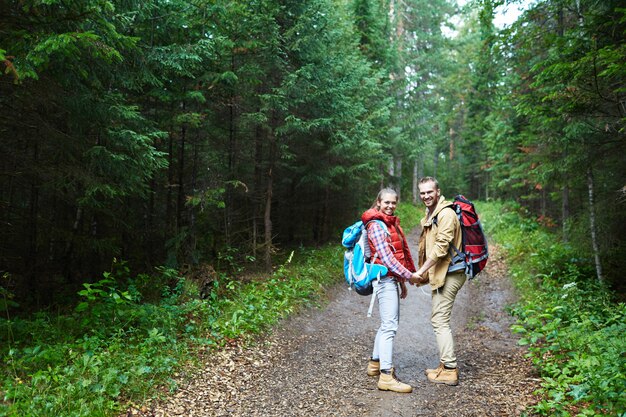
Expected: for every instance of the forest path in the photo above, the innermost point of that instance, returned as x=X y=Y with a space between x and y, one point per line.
x=313 y=364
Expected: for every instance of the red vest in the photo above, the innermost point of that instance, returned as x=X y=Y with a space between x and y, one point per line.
x=397 y=240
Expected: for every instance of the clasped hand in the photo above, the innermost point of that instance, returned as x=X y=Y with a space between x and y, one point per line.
x=417 y=279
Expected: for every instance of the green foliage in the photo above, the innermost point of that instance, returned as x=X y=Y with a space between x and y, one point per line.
x=410 y=215
x=534 y=110
x=114 y=348
x=575 y=332
x=111 y=348
x=257 y=305
x=176 y=133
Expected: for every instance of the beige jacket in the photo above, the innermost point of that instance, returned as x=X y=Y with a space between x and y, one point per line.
x=434 y=242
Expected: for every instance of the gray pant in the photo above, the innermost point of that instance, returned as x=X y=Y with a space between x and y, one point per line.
x=443 y=301
x=386 y=291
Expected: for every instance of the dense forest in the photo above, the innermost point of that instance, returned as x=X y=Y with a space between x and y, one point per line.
x=176 y=175
x=216 y=134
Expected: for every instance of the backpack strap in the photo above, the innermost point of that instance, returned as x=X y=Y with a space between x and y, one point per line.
x=377 y=279
x=381 y=223
x=457 y=261
x=373 y=299
x=383 y=226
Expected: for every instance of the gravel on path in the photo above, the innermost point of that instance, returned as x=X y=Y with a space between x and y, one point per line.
x=314 y=363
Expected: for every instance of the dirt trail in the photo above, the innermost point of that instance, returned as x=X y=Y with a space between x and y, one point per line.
x=313 y=364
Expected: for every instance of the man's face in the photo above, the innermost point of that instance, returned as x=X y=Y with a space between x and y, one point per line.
x=429 y=194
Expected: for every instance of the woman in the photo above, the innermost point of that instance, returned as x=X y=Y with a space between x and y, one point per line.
x=389 y=248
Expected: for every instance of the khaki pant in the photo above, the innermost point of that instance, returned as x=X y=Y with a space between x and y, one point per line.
x=443 y=301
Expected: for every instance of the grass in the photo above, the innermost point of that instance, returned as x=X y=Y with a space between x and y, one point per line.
x=575 y=331
x=117 y=348
x=410 y=215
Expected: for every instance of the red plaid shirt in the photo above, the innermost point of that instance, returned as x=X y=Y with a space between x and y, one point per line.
x=378 y=236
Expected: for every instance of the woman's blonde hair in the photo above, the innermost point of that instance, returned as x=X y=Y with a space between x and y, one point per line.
x=381 y=193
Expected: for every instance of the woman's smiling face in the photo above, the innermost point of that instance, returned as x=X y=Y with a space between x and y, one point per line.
x=388 y=203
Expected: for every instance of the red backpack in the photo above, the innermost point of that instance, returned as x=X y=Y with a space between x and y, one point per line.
x=473 y=254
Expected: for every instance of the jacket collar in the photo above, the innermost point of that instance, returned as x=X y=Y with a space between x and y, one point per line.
x=441 y=204
x=373 y=214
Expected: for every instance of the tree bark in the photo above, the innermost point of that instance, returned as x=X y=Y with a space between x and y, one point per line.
x=180 y=201
x=267 y=218
x=257 y=194
x=192 y=210
x=398 y=177
x=415 y=181
x=69 y=246
x=228 y=212
x=31 y=260
x=592 y=224
x=232 y=151
x=565 y=192
x=565 y=213
x=326 y=214
x=170 y=180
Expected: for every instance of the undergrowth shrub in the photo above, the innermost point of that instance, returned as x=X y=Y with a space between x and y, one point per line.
x=410 y=215
x=129 y=334
x=575 y=331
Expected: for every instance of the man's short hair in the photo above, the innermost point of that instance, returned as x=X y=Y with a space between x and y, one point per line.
x=429 y=179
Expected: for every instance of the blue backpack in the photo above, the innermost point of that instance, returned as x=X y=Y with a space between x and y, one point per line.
x=359 y=270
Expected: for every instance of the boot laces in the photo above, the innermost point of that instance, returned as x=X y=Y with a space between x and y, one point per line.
x=394 y=376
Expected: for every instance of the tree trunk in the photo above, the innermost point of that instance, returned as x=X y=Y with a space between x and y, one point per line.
x=267 y=218
x=228 y=212
x=326 y=214
x=398 y=178
x=415 y=181
x=487 y=182
x=180 y=201
x=192 y=210
x=592 y=224
x=451 y=152
x=31 y=260
x=11 y=187
x=69 y=246
x=392 y=11
x=232 y=151
x=291 y=214
x=565 y=192
x=257 y=194
x=170 y=181
x=565 y=213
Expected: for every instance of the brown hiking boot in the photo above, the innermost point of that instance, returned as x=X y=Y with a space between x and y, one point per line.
x=373 y=368
x=390 y=382
x=433 y=371
x=445 y=376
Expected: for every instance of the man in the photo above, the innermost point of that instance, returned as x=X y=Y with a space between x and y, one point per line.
x=440 y=228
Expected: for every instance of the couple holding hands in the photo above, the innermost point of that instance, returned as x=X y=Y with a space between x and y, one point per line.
x=440 y=229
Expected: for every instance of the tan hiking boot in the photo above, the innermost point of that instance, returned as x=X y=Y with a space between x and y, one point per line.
x=445 y=376
x=433 y=371
x=390 y=382
x=373 y=368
